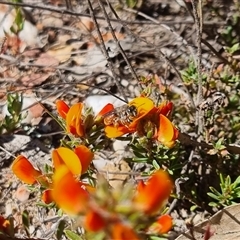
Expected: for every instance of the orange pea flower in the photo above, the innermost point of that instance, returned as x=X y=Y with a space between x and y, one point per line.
x=5 y=225
x=123 y=232
x=151 y=121
x=162 y=225
x=143 y=105
x=74 y=122
x=165 y=133
x=152 y=195
x=67 y=157
x=77 y=160
x=62 y=108
x=94 y=221
x=68 y=193
x=25 y=171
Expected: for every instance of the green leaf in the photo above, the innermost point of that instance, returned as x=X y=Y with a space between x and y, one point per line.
x=19 y=19
x=47 y=168
x=131 y=3
x=72 y=235
x=219 y=143
x=137 y=148
x=236 y=189
x=228 y=181
x=142 y=160
x=17 y=104
x=237 y=195
x=138 y=154
x=192 y=208
x=25 y=220
x=236 y=127
x=155 y=165
x=234 y=48
x=213 y=196
x=13 y=30
x=236 y=182
x=41 y=204
x=12 y=230
x=157 y=238
x=60 y=212
x=213 y=204
x=215 y=191
x=221 y=179
x=60 y=229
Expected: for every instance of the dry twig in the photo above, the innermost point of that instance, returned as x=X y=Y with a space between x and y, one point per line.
x=105 y=52
x=197 y=13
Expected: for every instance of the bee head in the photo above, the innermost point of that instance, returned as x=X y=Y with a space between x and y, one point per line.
x=133 y=110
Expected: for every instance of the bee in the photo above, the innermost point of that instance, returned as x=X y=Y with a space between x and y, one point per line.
x=123 y=115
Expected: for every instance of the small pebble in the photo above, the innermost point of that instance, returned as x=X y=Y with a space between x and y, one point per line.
x=22 y=194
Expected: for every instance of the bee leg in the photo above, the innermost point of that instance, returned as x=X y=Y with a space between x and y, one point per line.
x=116 y=124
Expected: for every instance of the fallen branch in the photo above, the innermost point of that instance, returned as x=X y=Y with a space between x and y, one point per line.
x=186 y=139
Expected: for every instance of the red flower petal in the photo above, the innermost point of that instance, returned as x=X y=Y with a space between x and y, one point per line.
x=74 y=121
x=94 y=221
x=165 y=108
x=68 y=193
x=62 y=108
x=151 y=197
x=141 y=185
x=5 y=225
x=123 y=232
x=85 y=155
x=47 y=196
x=162 y=225
x=167 y=133
x=24 y=170
x=113 y=132
x=106 y=109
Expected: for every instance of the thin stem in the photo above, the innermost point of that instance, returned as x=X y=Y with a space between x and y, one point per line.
x=105 y=52
x=197 y=13
x=115 y=38
x=6 y=151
